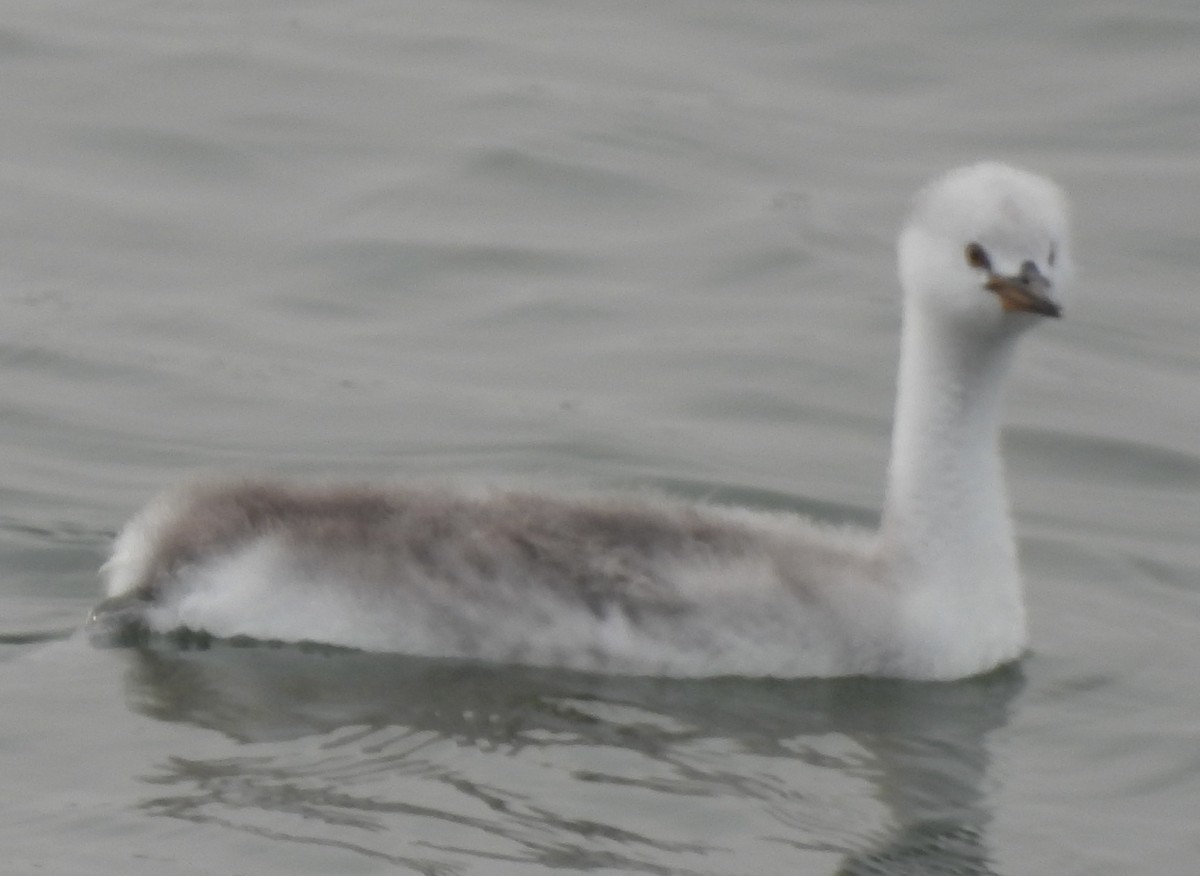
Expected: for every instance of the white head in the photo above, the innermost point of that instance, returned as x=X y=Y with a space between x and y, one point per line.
x=987 y=247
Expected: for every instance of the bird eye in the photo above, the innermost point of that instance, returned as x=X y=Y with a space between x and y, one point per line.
x=977 y=257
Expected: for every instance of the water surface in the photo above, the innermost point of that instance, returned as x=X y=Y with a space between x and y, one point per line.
x=613 y=244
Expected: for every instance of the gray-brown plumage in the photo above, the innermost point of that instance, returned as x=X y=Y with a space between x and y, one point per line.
x=484 y=575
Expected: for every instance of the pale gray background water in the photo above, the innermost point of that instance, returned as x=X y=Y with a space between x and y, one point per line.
x=638 y=243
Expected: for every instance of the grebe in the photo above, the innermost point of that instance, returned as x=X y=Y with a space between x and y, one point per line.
x=644 y=585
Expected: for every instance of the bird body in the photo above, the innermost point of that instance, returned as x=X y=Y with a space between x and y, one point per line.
x=650 y=585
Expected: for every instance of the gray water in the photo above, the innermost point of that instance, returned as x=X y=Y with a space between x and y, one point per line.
x=639 y=244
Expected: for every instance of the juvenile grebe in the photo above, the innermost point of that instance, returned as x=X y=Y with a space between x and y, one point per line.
x=654 y=586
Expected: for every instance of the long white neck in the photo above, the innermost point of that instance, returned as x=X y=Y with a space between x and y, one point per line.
x=946 y=533
x=946 y=495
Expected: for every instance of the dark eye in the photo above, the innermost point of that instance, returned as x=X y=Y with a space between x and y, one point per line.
x=1050 y=258
x=977 y=257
